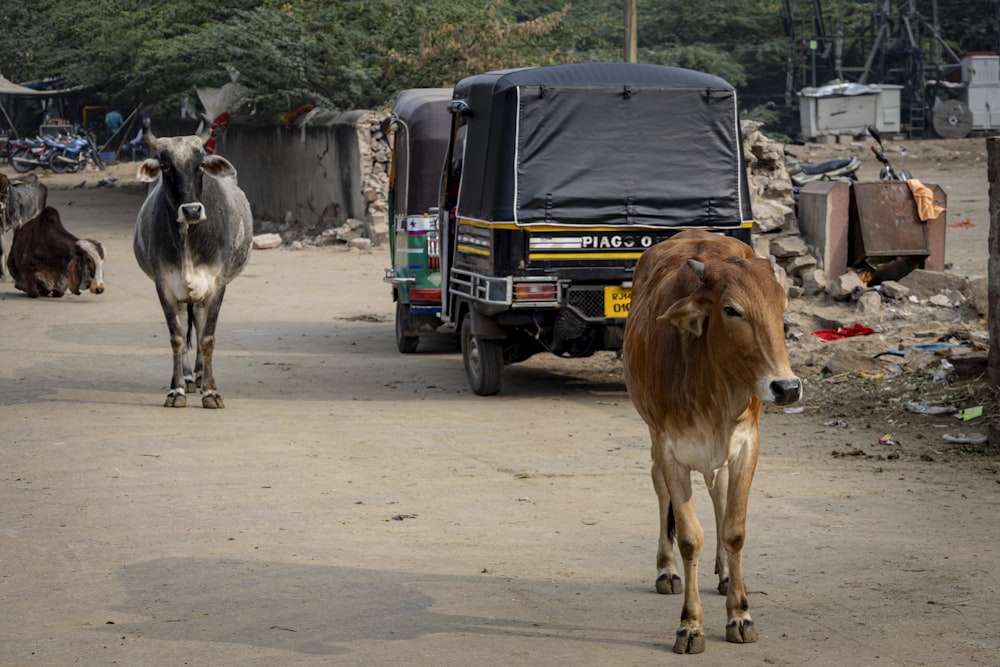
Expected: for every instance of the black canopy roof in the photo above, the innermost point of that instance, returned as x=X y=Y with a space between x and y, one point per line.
x=602 y=144
x=421 y=143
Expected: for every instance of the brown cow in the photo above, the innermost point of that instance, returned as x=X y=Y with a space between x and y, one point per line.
x=704 y=347
x=45 y=259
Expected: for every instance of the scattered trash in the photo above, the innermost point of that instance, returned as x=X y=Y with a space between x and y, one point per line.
x=836 y=423
x=966 y=438
x=797 y=410
x=893 y=371
x=844 y=332
x=894 y=353
x=968 y=414
x=935 y=347
x=940 y=373
x=887 y=439
x=925 y=408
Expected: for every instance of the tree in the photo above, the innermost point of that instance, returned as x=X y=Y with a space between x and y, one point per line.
x=350 y=54
x=340 y=55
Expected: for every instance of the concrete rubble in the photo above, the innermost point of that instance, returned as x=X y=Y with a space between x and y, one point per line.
x=939 y=302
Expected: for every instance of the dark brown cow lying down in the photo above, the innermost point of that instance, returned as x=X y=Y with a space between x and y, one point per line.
x=45 y=259
x=704 y=348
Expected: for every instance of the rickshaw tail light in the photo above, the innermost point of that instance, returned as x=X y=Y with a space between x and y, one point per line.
x=535 y=292
x=425 y=294
x=433 y=262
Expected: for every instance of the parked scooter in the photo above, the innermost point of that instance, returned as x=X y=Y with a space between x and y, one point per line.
x=835 y=169
x=887 y=173
x=29 y=153
x=70 y=153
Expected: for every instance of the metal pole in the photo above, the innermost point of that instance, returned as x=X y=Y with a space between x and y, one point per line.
x=630 y=50
x=993 y=272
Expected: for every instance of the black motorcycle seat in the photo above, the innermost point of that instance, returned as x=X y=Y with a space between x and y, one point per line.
x=824 y=166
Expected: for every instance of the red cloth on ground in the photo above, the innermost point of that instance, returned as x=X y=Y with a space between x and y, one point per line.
x=843 y=332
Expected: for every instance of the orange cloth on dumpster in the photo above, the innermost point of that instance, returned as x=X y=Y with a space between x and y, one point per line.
x=922 y=195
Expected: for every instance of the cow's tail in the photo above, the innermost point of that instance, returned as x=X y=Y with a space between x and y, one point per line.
x=190 y=324
x=671 y=524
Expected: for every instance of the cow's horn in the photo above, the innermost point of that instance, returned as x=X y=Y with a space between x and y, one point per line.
x=147 y=134
x=697 y=267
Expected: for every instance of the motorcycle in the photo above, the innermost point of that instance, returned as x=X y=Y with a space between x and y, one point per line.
x=70 y=153
x=29 y=153
x=887 y=173
x=835 y=169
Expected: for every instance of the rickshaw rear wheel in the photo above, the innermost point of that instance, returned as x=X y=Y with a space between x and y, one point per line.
x=483 y=360
x=404 y=343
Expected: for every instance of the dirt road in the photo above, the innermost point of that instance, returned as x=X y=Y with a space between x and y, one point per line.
x=355 y=506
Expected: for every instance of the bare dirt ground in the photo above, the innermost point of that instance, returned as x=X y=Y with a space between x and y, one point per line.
x=355 y=506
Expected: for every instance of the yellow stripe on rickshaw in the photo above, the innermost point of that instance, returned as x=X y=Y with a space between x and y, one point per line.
x=473 y=250
x=584 y=255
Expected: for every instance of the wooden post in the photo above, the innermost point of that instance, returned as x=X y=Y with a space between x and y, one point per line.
x=630 y=51
x=993 y=281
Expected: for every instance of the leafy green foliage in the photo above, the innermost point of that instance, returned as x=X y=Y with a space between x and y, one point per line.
x=348 y=54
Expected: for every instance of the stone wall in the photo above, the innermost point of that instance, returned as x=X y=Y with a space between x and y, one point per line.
x=324 y=179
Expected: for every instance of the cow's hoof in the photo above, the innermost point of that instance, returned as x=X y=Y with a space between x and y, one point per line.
x=212 y=401
x=724 y=586
x=741 y=631
x=689 y=641
x=175 y=399
x=669 y=584
x=190 y=385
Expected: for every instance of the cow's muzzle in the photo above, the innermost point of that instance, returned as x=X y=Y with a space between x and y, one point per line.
x=191 y=213
x=786 y=391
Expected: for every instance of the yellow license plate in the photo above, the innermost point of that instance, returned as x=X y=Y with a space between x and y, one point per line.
x=617 y=301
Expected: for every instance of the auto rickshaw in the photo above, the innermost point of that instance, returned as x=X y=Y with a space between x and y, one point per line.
x=553 y=182
x=420 y=126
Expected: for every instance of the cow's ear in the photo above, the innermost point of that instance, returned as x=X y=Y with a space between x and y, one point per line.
x=73 y=273
x=689 y=314
x=149 y=170
x=216 y=165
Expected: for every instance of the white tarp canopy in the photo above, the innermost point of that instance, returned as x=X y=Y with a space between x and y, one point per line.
x=8 y=87
x=11 y=89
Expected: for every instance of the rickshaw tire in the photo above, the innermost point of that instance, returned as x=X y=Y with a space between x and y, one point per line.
x=405 y=344
x=483 y=361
